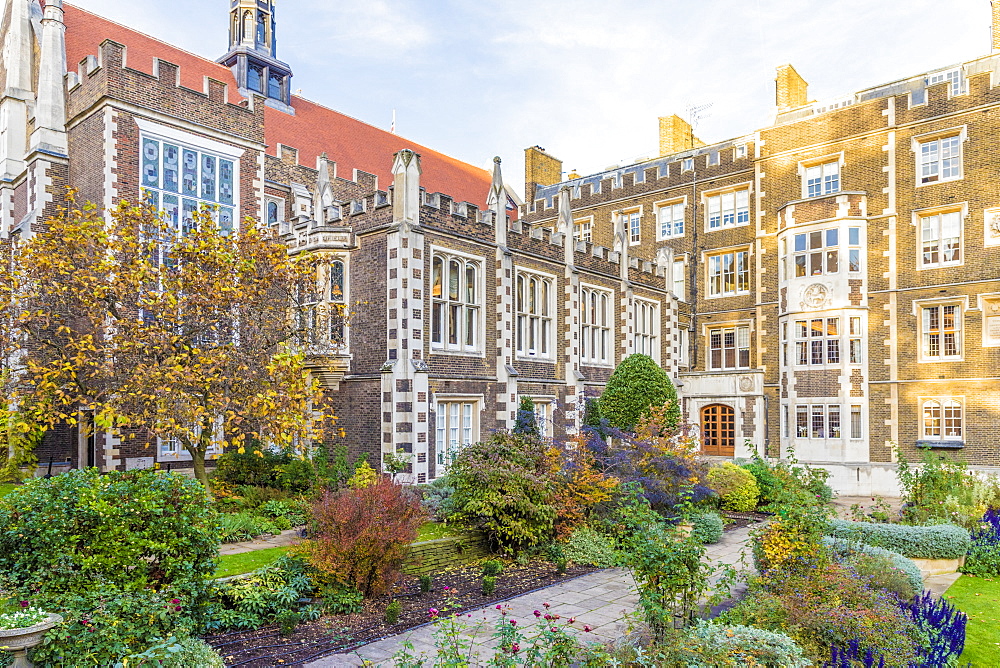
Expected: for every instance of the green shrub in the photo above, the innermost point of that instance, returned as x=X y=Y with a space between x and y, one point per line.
x=898 y=561
x=588 y=547
x=492 y=567
x=129 y=530
x=438 y=498
x=502 y=486
x=295 y=512
x=252 y=497
x=706 y=527
x=767 y=481
x=881 y=571
x=255 y=466
x=942 y=541
x=736 y=487
x=637 y=384
x=287 y=621
x=178 y=653
x=296 y=475
x=425 y=583
x=707 y=645
x=238 y=527
x=489 y=585
x=392 y=612
x=561 y=565
x=257 y=599
x=340 y=599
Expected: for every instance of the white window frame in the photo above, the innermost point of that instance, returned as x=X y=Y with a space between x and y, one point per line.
x=678 y=278
x=989 y=305
x=855 y=340
x=924 y=312
x=446 y=306
x=687 y=165
x=739 y=151
x=465 y=427
x=583 y=229
x=825 y=412
x=741 y=335
x=281 y=223
x=859 y=411
x=828 y=252
x=717 y=202
x=830 y=345
x=944 y=404
x=922 y=145
x=716 y=259
x=632 y=220
x=954 y=76
x=596 y=326
x=545 y=407
x=169 y=448
x=830 y=175
x=920 y=219
x=539 y=323
x=646 y=321
x=333 y=299
x=672 y=207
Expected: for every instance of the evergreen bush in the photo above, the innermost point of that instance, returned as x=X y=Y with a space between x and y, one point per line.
x=707 y=527
x=736 y=487
x=940 y=541
x=637 y=384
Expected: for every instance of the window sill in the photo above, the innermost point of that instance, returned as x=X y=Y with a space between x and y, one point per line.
x=934 y=183
x=941 y=445
x=457 y=353
x=529 y=358
x=727 y=227
x=729 y=294
x=937 y=360
x=940 y=265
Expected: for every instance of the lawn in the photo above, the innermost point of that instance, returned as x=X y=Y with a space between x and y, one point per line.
x=237 y=564
x=979 y=598
x=6 y=489
x=435 y=530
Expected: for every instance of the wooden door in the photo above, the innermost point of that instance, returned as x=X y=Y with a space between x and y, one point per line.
x=718 y=430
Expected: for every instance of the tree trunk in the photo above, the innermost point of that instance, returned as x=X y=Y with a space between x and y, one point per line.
x=198 y=459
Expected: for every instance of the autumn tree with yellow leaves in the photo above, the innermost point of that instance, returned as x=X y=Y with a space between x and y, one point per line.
x=185 y=334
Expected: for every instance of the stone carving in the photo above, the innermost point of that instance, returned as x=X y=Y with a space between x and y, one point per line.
x=815 y=296
x=746 y=384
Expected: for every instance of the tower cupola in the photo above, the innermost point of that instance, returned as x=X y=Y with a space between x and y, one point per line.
x=253 y=52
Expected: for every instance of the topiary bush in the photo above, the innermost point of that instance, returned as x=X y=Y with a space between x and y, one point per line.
x=736 y=487
x=706 y=527
x=941 y=541
x=708 y=644
x=636 y=384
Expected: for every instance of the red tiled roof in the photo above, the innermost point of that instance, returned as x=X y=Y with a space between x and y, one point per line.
x=313 y=129
x=352 y=144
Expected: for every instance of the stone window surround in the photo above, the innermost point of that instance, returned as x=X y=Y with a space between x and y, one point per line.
x=553 y=309
x=653 y=336
x=707 y=194
x=922 y=402
x=962 y=301
x=478 y=405
x=706 y=329
x=609 y=318
x=435 y=250
x=658 y=205
x=707 y=254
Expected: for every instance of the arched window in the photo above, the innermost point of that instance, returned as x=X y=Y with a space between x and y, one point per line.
x=534 y=315
x=261 y=29
x=273 y=213
x=647 y=325
x=275 y=87
x=455 y=297
x=942 y=420
x=595 y=326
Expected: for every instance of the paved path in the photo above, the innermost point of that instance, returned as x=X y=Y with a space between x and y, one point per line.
x=601 y=600
x=289 y=537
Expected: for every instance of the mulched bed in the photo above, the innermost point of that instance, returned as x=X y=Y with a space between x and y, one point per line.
x=343 y=633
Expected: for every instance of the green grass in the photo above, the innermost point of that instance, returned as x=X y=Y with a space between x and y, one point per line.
x=6 y=489
x=237 y=564
x=435 y=530
x=979 y=598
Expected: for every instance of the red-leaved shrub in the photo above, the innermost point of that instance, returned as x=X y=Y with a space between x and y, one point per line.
x=360 y=537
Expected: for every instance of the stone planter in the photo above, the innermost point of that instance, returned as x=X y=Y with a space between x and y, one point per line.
x=19 y=641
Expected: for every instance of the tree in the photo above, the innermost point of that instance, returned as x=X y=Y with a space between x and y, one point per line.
x=184 y=333
x=526 y=423
x=636 y=384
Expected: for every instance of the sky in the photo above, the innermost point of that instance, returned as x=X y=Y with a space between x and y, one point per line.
x=585 y=79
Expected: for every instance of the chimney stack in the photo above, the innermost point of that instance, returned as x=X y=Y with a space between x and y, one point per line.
x=791 y=89
x=540 y=169
x=676 y=135
x=995 y=30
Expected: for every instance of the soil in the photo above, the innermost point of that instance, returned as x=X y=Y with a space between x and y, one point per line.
x=453 y=591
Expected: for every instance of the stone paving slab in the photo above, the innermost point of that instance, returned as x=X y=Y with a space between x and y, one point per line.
x=602 y=599
x=287 y=537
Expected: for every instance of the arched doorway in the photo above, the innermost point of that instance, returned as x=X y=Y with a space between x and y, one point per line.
x=718 y=430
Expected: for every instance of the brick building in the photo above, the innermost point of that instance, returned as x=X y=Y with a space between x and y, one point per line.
x=827 y=284
x=837 y=273
x=458 y=310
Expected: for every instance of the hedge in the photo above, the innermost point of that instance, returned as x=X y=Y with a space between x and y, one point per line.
x=898 y=561
x=941 y=541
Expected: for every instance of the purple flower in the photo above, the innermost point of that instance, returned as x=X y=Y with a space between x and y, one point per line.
x=433 y=613
x=536 y=613
x=24 y=604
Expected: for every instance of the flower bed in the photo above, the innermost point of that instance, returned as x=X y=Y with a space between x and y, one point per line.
x=456 y=590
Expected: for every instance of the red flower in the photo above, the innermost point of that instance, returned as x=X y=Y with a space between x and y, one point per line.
x=515 y=648
x=586 y=628
x=24 y=604
x=178 y=608
x=536 y=613
x=175 y=601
